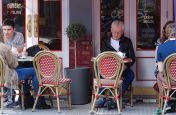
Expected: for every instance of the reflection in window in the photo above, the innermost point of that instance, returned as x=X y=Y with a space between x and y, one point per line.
x=50 y=23
x=14 y=9
x=148 y=23
x=110 y=10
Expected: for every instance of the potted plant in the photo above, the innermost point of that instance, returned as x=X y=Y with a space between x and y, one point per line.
x=74 y=32
x=78 y=75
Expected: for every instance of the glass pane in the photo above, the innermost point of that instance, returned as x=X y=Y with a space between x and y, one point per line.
x=50 y=23
x=14 y=9
x=110 y=11
x=148 y=24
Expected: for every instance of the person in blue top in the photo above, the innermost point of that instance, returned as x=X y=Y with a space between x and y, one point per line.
x=164 y=50
x=161 y=40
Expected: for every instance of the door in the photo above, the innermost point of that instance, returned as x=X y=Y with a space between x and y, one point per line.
x=145 y=56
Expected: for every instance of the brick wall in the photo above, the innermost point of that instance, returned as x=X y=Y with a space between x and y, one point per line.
x=84 y=52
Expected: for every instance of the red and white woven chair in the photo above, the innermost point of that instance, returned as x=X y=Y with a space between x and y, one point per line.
x=48 y=68
x=108 y=68
x=169 y=83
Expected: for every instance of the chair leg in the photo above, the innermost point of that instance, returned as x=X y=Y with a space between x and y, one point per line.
x=117 y=101
x=118 y=105
x=36 y=100
x=94 y=101
x=22 y=96
x=57 y=95
x=51 y=101
x=163 y=110
x=93 y=105
x=69 y=96
x=2 y=102
x=165 y=102
x=92 y=98
x=121 y=98
x=161 y=103
x=131 y=95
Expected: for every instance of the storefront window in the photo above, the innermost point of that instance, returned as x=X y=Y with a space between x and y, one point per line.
x=50 y=23
x=15 y=10
x=110 y=11
x=148 y=24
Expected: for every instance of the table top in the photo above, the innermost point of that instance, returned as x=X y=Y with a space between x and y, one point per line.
x=127 y=60
x=28 y=58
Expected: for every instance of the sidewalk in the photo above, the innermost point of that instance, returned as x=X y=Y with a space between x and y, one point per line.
x=138 y=109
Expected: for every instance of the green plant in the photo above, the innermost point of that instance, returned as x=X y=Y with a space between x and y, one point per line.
x=74 y=32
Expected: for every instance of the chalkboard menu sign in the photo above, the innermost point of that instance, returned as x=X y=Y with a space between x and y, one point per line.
x=14 y=9
x=110 y=10
x=148 y=23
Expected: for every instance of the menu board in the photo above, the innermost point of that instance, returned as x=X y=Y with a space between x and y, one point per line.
x=110 y=10
x=15 y=10
x=148 y=24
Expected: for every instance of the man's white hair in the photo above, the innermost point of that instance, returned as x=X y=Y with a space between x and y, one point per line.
x=117 y=23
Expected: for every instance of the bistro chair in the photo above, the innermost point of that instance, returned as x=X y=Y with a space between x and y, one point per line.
x=2 y=81
x=108 y=68
x=169 y=83
x=49 y=72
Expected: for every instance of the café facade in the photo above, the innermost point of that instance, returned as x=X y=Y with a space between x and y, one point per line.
x=47 y=20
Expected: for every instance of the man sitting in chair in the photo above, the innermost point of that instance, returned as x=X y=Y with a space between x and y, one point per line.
x=119 y=43
x=13 y=74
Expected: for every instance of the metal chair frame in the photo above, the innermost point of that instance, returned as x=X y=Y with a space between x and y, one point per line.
x=169 y=84
x=48 y=68
x=108 y=68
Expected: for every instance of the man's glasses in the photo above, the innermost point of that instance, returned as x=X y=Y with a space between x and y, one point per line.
x=116 y=33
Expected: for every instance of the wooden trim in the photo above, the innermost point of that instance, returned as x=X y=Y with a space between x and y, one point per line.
x=144 y=91
x=137 y=77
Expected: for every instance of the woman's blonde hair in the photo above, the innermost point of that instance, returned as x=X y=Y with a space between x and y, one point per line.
x=170 y=30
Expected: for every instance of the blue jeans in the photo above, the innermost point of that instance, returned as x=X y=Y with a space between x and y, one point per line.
x=128 y=76
x=25 y=74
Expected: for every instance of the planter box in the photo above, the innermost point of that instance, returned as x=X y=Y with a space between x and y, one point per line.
x=80 y=85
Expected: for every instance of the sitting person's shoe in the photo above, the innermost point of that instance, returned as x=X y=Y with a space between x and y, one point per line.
x=158 y=111
x=111 y=104
x=171 y=110
x=9 y=104
x=41 y=104
x=14 y=95
x=100 y=102
x=5 y=99
x=28 y=101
